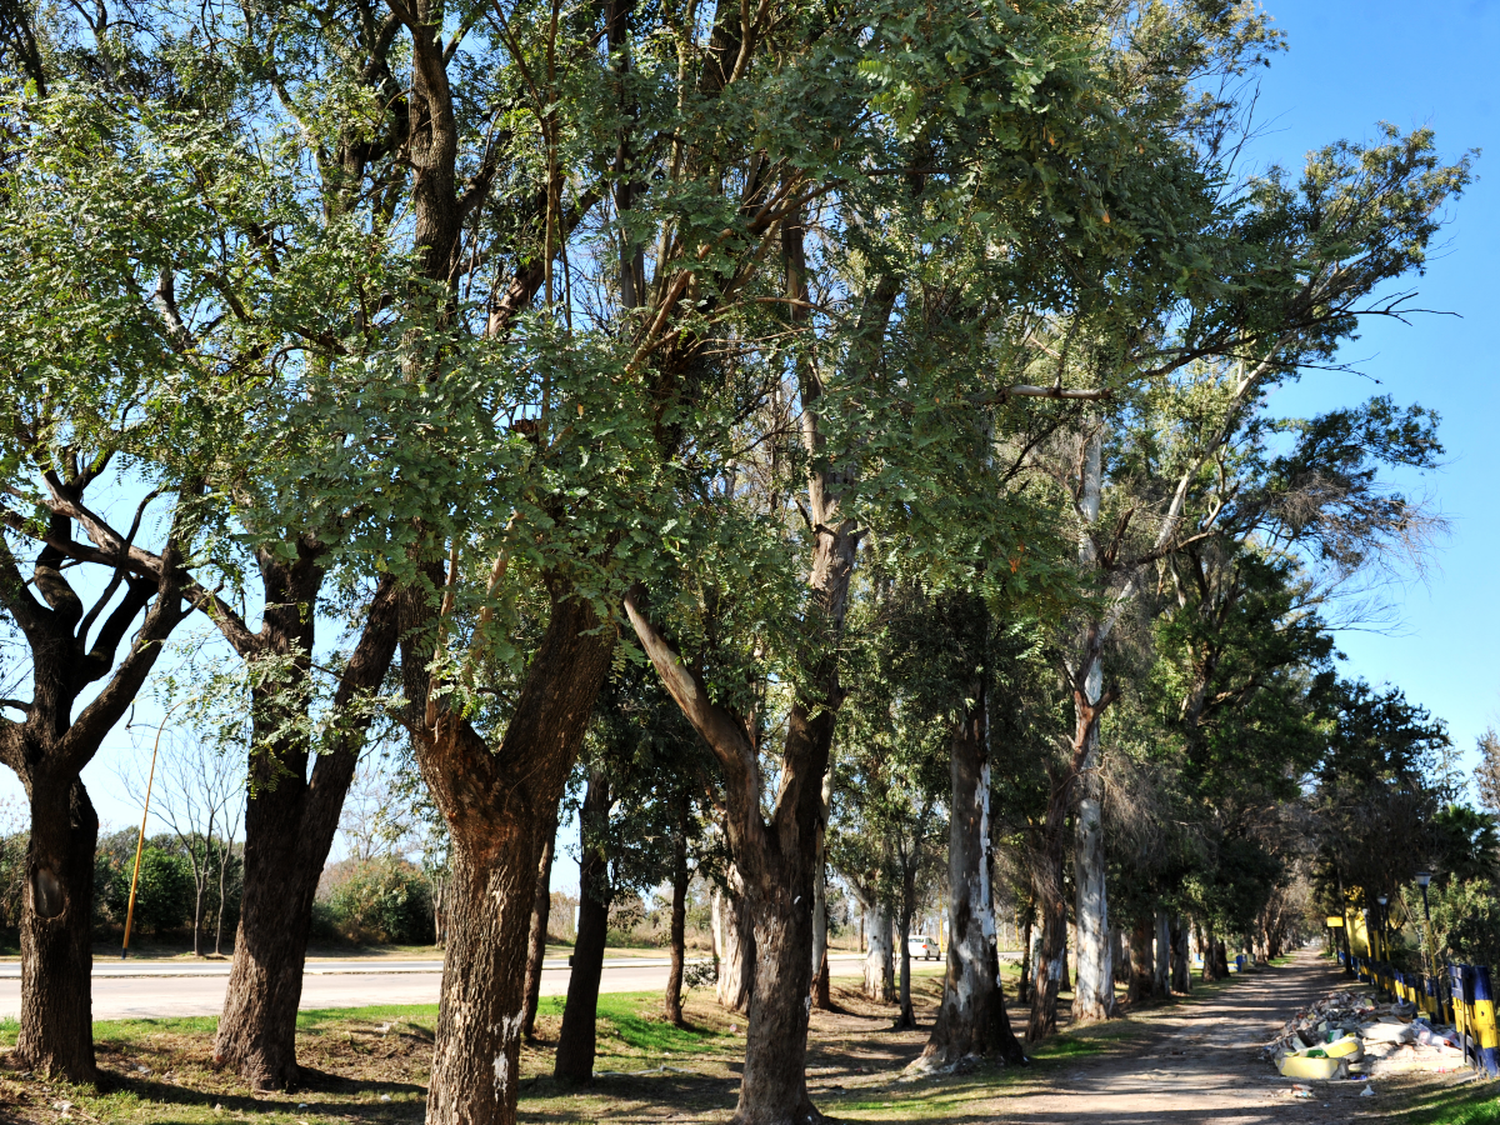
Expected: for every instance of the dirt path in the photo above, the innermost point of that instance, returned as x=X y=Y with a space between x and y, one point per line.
x=1201 y=1062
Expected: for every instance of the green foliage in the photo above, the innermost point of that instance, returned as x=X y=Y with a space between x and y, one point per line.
x=164 y=892
x=1465 y=920
x=387 y=900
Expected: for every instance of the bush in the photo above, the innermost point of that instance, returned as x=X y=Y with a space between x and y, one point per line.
x=1465 y=921
x=384 y=901
x=163 y=897
x=325 y=923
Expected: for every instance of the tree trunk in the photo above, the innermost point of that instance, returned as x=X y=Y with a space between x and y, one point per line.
x=541 y=919
x=1182 y=963
x=226 y=854
x=48 y=749
x=972 y=1019
x=56 y=1035
x=737 y=957
x=291 y=817
x=678 y=933
x=496 y=801
x=1049 y=964
x=1094 y=991
x=1120 y=953
x=477 y=1054
x=822 y=997
x=1204 y=939
x=1161 y=981
x=777 y=853
x=575 y=1044
x=906 y=1016
x=1023 y=991
x=775 y=856
x=257 y=1030
x=198 y=918
x=1142 y=970
x=822 y=993
x=440 y=910
x=880 y=959
x=773 y=1090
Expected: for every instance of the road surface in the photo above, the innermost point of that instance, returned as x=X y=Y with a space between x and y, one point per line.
x=145 y=990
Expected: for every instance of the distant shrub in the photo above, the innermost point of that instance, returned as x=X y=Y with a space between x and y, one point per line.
x=325 y=923
x=383 y=901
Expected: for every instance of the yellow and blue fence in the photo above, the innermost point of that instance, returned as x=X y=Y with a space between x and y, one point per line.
x=1462 y=995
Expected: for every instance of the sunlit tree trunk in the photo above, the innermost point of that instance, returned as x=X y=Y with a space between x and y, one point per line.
x=972 y=1019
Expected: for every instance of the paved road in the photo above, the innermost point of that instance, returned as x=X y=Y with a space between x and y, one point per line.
x=144 y=990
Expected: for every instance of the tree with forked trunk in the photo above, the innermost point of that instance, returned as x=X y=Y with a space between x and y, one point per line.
x=60 y=731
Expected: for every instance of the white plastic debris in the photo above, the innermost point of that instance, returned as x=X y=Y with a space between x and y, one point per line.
x=1368 y=1091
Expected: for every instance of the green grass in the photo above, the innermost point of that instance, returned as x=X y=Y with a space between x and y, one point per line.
x=1473 y=1103
x=621 y=1017
x=1067 y=1046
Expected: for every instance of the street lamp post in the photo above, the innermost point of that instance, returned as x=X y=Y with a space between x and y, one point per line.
x=1423 y=878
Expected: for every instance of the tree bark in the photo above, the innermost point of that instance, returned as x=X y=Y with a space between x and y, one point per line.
x=1094 y=990
x=1052 y=916
x=1023 y=991
x=574 y=1063
x=291 y=817
x=822 y=997
x=56 y=1036
x=972 y=1019
x=737 y=952
x=1161 y=981
x=906 y=1016
x=678 y=933
x=880 y=957
x=1182 y=962
x=541 y=919
x=1142 y=968
x=48 y=749
x=496 y=801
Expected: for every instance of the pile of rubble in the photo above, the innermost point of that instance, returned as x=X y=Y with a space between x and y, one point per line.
x=1352 y=1035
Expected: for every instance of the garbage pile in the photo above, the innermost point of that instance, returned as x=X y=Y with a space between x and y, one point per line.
x=1353 y=1035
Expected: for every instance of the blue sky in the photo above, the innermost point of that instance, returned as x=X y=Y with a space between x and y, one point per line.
x=1349 y=66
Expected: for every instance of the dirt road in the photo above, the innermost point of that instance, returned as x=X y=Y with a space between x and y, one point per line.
x=1201 y=1063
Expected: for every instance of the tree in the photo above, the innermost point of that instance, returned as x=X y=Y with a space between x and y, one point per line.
x=199 y=795
x=85 y=395
x=1487 y=773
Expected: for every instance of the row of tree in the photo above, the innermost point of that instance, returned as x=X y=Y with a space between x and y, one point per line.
x=860 y=408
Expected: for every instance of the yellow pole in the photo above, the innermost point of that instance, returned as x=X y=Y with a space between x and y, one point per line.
x=140 y=840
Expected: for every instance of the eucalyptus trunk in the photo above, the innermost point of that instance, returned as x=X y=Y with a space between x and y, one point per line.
x=677 y=933
x=1142 y=966
x=880 y=957
x=735 y=934
x=1182 y=962
x=574 y=1062
x=971 y=1019
x=1161 y=981
x=822 y=997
